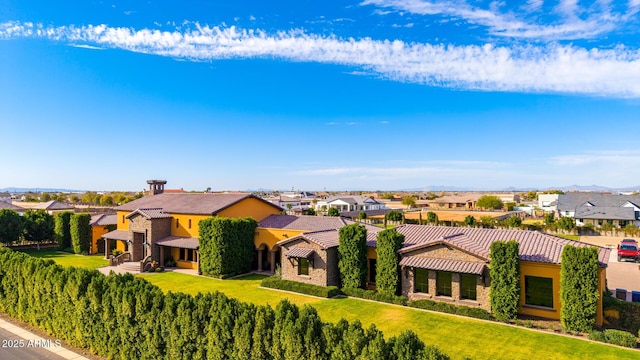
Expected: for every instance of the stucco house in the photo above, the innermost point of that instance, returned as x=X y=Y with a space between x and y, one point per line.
x=163 y=225
x=51 y=207
x=350 y=203
x=596 y=208
x=449 y=264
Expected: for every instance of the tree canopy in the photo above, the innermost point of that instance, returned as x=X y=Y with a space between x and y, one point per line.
x=489 y=202
x=409 y=201
x=12 y=226
x=38 y=225
x=393 y=215
x=333 y=212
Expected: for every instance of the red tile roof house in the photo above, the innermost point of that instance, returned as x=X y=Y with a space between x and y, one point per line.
x=449 y=264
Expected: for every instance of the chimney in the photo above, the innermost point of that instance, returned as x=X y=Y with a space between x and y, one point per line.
x=156 y=186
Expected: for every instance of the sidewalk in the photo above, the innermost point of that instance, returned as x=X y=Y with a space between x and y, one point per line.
x=42 y=343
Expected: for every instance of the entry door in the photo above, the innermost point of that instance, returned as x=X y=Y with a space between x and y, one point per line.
x=137 y=251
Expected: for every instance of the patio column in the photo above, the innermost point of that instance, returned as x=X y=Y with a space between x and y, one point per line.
x=161 y=255
x=272 y=260
x=106 y=248
x=198 y=261
x=260 y=259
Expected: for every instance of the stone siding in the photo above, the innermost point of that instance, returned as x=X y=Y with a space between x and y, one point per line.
x=442 y=251
x=154 y=230
x=407 y=280
x=321 y=271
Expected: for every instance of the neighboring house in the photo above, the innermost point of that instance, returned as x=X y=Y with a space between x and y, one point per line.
x=548 y=202
x=440 y=263
x=100 y=225
x=596 y=208
x=5 y=197
x=464 y=201
x=291 y=203
x=51 y=207
x=10 y=206
x=164 y=225
x=298 y=195
x=350 y=203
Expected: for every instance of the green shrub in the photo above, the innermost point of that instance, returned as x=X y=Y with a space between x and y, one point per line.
x=352 y=255
x=119 y=316
x=596 y=335
x=116 y=252
x=387 y=272
x=159 y=269
x=375 y=296
x=226 y=246
x=62 y=230
x=303 y=288
x=579 y=292
x=505 y=279
x=448 y=308
x=80 y=233
x=619 y=337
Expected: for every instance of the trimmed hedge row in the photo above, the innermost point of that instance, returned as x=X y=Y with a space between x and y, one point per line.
x=451 y=309
x=226 y=246
x=616 y=337
x=117 y=316
x=308 y=289
x=376 y=296
x=579 y=292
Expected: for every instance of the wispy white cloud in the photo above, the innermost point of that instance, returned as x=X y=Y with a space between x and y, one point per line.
x=546 y=68
x=575 y=21
x=626 y=159
x=85 y=46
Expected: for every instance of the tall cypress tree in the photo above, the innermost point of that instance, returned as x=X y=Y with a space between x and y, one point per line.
x=388 y=242
x=62 y=230
x=579 y=288
x=352 y=255
x=80 y=233
x=504 y=266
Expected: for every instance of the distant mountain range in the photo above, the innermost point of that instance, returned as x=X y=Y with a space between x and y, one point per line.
x=38 y=190
x=594 y=188
x=433 y=188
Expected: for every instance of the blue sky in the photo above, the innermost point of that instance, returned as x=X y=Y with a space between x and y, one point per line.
x=375 y=94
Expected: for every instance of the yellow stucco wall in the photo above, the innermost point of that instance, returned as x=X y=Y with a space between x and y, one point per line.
x=175 y=253
x=249 y=207
x=271 y=236
x=121 y=221
x=552 y=271
x=96 y=234
x=180 y=224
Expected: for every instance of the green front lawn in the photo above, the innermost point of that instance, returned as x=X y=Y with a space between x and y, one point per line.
x=457 y=336
x=66 y=259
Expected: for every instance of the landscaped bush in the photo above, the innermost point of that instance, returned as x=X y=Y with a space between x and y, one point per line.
x=376 y=296
x=579 y=288
x=309 y=289
x=505 y=279
x=226 y=246
x=119 y=316
x=62 y=230
x=80 y=230
x=352 y=255
x=426 y=304
x=619 y=337
x=616 y=337
x=387 y=279
x=629 y=312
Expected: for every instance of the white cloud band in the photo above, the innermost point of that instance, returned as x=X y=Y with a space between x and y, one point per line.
x=549 y=68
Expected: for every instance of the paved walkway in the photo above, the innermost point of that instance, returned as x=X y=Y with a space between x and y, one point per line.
x=32 y=346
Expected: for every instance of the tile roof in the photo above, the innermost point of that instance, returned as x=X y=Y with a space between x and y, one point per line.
x=189 y=203
x=355 y=214
x=534 y=246
x=356 y=199
x=325 y=238
x=117 y=235
x=103 y=220
x=303 y=222
x=570 y=201
x=605 y=213
x=466 y=267
x=297 y=252
x=179 y=242
x=10 y=206
x=157 y=213
x=49 y=205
